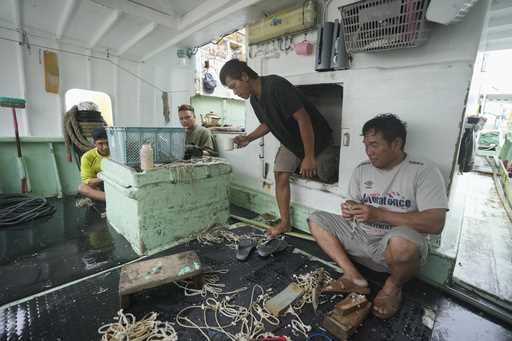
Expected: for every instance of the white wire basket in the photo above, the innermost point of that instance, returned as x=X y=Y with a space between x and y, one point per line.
x=377 y=25
x=125 y=143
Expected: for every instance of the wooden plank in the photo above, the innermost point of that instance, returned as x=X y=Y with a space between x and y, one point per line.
x=155 y=272
x=485 y=249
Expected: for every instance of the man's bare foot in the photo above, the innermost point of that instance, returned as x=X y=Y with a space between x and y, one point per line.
x=281 y=228
x=388 y=299
x=347 y=284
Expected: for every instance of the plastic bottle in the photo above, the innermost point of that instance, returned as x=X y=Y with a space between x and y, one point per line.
x=146 y=157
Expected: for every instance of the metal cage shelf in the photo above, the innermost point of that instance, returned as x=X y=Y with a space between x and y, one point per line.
x=377 y=25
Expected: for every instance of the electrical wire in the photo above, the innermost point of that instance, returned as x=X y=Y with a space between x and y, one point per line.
x=17 y=209
x=93 y=57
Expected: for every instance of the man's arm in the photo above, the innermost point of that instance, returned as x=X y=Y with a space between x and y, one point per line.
x=244 y=140
x=428 y=221
x=307 y=135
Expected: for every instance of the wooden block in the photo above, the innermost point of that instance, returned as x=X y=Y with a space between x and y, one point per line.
x=342 y=326
x=351 y=303
x=151 y=273
x=281 y=301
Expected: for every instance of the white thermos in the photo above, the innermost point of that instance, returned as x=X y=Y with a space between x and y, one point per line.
x=146 y=157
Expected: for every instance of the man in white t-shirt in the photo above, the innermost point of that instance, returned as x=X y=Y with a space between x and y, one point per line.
x=395 y=199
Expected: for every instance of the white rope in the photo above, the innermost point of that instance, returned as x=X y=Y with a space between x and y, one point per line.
x=297 y=325
x=127 y=328
x=249 y=322
x=309 y=282
x=219 y=234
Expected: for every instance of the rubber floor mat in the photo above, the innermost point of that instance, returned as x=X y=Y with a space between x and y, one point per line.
x=77 y=311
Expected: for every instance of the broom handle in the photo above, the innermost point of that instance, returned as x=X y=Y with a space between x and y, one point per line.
x=16 y=132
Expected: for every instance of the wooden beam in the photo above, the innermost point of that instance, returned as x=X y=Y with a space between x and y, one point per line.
x=137 y=37
x=105 y=28
x=140 y=11
x=69 y=11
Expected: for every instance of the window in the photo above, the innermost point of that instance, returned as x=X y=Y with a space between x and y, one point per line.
x=101 y=99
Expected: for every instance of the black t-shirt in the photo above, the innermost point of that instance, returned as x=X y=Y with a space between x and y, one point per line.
x=278 y=102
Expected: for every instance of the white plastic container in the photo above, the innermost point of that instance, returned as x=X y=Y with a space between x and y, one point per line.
x=146 y=157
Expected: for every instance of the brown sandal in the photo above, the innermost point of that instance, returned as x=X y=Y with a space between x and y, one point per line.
x=390 y=305
x=344 y=286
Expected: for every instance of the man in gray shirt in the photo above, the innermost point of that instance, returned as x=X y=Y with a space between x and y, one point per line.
x=196 y=135
x=394 y=200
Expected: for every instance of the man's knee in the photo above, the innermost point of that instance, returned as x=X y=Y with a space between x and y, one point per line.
x=401 y=250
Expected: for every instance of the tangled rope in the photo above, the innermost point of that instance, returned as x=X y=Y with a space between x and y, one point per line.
x=248 y=321
x=220 y=234
x=211 y=286
x=309 y=282
x=127 y=328
x=18 y=208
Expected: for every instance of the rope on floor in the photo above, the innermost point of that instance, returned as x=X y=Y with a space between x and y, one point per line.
x=17 y=209
x=126 y=327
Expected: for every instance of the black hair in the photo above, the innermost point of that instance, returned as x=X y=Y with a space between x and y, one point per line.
x=389 y=125
x=99 y=134
x=234 y=69
x=186 y=107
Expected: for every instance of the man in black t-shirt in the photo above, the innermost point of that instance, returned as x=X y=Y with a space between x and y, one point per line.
x=305 y=136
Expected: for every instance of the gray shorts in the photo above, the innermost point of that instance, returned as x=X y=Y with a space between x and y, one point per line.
x=366 y=249
x=327 y=163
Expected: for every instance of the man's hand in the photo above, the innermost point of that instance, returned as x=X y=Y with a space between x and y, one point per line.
x=308 y=167
x=95 y=182
x=241 y=140
x=346 y=209
x=365 y=213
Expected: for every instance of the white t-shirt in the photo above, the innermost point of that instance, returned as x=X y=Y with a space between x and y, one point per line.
x=411 y=186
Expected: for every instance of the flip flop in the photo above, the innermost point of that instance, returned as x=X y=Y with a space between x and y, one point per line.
x=390 y=304
x=244 y=248
x=272 y=246
x=344 y=286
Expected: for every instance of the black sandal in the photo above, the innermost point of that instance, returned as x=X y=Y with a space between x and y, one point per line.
x=272 y=246
x=244 y=248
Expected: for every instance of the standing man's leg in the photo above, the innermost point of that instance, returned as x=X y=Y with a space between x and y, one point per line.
x=283 y=202
x=285 y=165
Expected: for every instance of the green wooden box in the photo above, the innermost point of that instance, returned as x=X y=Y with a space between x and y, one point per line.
x=157 y=209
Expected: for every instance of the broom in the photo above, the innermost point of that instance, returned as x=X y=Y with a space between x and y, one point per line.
x=13 y=103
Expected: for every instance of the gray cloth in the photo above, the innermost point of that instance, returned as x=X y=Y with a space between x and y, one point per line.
x=412 y=186
x=368 y=250
x=201 y=137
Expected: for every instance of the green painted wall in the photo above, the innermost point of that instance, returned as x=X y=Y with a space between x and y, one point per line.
x=232 y=111
x=40 y=166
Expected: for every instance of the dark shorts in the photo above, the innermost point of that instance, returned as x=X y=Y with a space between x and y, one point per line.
x=327 y=163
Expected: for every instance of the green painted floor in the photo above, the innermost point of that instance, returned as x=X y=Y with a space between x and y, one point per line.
x=484 y=260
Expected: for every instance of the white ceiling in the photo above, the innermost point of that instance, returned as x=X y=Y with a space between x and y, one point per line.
x=134 y=29
x=499 y=29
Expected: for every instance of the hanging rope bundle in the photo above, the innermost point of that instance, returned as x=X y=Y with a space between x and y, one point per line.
x=127 y=328
x=18 y=209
